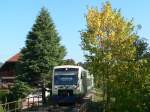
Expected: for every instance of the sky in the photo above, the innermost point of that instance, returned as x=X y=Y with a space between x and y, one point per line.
x=18 y=16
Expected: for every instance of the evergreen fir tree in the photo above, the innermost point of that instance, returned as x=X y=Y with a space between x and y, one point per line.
x=42 y=52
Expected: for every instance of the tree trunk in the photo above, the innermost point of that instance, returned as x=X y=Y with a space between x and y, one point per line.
x=43 y=94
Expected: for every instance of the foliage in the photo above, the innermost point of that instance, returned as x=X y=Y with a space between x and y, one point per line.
x=83 y=64
x=3 y=96
x=69 y=62
x=142 y=49
x=42 y=52
x=2 y=109
x=111 y=53
x=19 y=90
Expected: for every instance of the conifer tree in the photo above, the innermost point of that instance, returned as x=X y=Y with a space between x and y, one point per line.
x=42 y=51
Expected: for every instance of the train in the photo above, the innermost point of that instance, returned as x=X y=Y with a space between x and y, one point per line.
x=70 y=83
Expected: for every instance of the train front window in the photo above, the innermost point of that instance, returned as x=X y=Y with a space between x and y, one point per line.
x=66 y=76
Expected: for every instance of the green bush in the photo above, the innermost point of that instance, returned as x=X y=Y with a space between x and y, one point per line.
x=2 y=109
x=3 y=96
x=19 y=90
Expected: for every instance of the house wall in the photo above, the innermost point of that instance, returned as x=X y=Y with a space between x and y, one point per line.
x=7 y=74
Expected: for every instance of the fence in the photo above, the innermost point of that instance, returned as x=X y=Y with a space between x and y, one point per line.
x=22 y=104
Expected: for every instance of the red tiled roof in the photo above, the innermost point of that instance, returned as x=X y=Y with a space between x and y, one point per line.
x=14 y=58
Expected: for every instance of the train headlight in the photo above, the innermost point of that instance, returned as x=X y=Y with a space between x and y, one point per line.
x=54 y=91
x=77 y=87
x=55 y=87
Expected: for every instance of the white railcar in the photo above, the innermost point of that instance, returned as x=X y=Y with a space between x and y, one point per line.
x=70 y=82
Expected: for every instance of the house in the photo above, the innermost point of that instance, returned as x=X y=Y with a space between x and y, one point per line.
x=7 y=72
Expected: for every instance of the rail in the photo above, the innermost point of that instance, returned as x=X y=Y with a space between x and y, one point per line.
x=81 y=106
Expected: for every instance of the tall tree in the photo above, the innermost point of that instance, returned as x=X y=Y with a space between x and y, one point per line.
x=109 y=42
x=69 y=62
x=83 y=64
x=142 y=49
x=42 y=51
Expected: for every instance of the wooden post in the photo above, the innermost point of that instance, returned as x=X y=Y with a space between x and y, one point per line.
x=43 y=94
x=28 y=102
x=21 y=104
x=38 y=100
x=33 y=100
x=8 y=107
x=15 y=105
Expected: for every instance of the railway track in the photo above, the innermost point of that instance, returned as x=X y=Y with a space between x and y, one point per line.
x=80 y=106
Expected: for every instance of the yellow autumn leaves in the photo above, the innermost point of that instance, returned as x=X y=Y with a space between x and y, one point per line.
x=109 y=42
x=107 y=29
